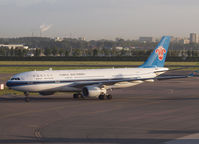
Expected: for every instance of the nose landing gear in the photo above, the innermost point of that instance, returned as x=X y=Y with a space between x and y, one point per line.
x=27 y=98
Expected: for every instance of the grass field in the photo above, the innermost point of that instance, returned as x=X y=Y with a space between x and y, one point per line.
x=86 y=63
x=15 y=70
x=7 y=91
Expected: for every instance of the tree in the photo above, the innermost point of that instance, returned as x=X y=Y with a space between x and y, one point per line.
x=55 y=51
x=67 y=53
x=2 y=51
x=95 y=52
x=38 y=52
x=76 y=52
x=47 y=52
x=123 y=52
x=12 y=53
x=106 y=51
x=19 y=52
x=62 y=52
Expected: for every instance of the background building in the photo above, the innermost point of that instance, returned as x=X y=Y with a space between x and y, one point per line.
x=14 y=46
x=193 y=38
x=184 y=41
x=147 y=39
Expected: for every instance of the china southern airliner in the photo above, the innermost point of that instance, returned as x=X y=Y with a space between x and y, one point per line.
x=94 y=83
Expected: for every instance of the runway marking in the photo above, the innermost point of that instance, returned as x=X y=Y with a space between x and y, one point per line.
x=37 y=133
x=190 y=139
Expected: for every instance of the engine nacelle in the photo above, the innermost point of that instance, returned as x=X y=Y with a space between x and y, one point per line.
x=93 y=91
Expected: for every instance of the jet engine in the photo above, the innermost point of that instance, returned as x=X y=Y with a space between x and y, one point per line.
x=93 y=91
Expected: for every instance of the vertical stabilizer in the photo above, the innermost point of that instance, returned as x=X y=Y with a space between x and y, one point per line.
x=158 y=56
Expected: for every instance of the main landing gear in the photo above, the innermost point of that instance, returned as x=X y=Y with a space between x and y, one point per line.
x=27 y=98
x=103 y=97
x=77 y=96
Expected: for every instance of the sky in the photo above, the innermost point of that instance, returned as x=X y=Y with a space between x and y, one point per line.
x=98 y=19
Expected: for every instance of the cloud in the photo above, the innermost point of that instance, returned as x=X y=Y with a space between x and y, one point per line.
x=44 y=27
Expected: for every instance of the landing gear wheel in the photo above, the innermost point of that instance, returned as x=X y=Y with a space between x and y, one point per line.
x=27 y=99
x=81 y=96
x=77 y=96
x=109 y=97
x=101 y=97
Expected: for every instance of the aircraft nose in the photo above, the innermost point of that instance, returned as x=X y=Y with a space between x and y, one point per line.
x=8 y=84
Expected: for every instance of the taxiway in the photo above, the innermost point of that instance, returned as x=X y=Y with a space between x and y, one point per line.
x=164 y=112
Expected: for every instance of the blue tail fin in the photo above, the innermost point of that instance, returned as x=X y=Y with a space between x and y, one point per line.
x=158 y=56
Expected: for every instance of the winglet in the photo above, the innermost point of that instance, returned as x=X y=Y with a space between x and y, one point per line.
x=158 y=56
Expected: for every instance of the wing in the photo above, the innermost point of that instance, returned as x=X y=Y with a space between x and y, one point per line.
x=108 y=82
x=166 y=77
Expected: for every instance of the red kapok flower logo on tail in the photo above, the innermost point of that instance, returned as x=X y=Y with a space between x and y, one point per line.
x=160 y=51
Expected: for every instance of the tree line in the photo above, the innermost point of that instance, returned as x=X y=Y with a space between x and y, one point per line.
x=74 y=47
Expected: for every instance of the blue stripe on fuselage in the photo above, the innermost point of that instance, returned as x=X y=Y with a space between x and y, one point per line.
x=25 y=83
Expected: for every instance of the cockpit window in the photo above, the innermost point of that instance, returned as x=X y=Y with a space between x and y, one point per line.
x=15 y=78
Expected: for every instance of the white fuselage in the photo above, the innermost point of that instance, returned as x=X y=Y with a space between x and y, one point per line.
x=63 y=80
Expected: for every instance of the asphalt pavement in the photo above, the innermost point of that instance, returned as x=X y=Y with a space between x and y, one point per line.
x=151 y=113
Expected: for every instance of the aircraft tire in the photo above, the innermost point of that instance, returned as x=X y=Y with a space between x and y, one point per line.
x=109 y=97
x=27 y=99
x=78 y=96
x=101 y=97
x=75 y=96
x=81 y=96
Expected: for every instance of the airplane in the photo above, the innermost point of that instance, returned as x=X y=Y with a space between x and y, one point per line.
x=93 y=83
